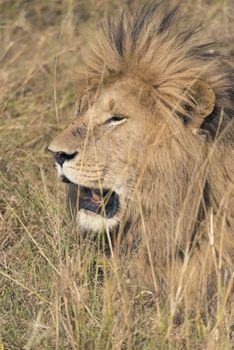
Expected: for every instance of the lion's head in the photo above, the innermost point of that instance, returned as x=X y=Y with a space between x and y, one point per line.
x=102 y=151
x=153 y=124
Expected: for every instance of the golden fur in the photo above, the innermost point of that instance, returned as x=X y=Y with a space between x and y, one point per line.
x=171 y=160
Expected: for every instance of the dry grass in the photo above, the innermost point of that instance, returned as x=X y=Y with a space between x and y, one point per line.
x=55 y=293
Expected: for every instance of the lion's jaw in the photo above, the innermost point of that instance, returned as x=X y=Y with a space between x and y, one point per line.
x=86 y=219
x=93 y=216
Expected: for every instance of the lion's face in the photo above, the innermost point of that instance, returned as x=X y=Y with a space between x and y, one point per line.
x=102 y=152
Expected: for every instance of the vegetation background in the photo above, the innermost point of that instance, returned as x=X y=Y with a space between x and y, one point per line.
x=55 y=293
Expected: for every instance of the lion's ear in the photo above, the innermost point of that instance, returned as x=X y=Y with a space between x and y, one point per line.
x=202 y=102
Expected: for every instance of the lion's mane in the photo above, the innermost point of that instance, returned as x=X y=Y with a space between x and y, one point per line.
x=167 y=55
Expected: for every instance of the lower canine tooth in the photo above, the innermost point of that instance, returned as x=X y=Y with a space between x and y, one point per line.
x=96 y=197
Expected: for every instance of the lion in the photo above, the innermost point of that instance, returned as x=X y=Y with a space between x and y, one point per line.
x=149 y=156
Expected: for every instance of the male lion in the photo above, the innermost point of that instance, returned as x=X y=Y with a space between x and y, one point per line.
x=150 y=152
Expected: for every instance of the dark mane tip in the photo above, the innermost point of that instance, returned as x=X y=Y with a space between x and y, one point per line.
x=167 y=19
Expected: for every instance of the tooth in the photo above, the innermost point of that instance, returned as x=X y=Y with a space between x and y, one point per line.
x=96 y=197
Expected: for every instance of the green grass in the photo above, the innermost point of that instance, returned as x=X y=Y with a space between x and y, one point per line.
x=54 y=292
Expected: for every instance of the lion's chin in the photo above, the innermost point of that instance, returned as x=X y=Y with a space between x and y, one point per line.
x=89 y=221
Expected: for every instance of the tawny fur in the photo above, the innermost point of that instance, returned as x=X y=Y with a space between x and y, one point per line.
x=176 y=216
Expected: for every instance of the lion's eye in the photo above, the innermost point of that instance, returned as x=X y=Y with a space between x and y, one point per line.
x=115 y=119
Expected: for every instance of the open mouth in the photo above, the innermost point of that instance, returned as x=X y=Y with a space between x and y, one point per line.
x=103 y=202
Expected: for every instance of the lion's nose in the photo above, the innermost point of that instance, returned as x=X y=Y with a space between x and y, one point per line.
x=61 y=157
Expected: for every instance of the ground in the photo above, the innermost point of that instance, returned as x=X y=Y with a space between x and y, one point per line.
x=54 y=292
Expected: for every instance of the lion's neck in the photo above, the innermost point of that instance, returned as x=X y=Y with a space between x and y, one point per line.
x=167 y=215
x=175 y=218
